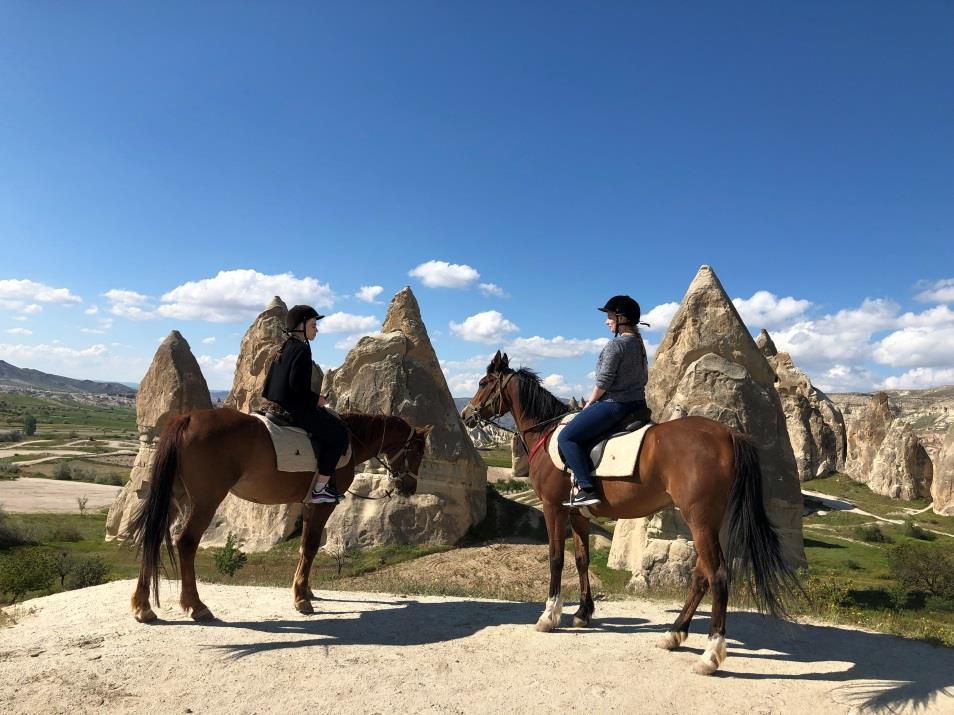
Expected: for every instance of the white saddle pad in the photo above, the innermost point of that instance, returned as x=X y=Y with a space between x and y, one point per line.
x=619 y=458
x=293 y=452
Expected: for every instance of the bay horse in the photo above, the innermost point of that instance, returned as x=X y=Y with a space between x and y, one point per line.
x=707 y=470
x=204 y=455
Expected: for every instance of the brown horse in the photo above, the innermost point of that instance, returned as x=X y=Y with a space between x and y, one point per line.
x=205 y=454
x=708 y=471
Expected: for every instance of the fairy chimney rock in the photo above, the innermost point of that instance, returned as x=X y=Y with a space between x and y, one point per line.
x=397 y=372
x=706 y=322
x=865 y=434
x=765 y=344
x=942 y=488
x=708 y=365
x=173 y=385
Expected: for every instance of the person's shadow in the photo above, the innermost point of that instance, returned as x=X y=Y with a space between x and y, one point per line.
x=881 y=672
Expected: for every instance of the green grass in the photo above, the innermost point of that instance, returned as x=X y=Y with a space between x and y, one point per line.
x=497 y=457
x=64 y=414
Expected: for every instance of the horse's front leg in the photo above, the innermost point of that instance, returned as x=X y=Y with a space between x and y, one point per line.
x=555 y=517
x=581 y=541
x=314 y=518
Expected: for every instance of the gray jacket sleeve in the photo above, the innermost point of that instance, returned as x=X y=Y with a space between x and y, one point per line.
x=607 y=366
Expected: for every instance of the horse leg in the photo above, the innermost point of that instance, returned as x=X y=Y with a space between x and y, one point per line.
x=680 y=629
x=142 y=610
x=555 y=517
x=713 y=565
x=314 y=518
x=581 y=541
x=187 y=544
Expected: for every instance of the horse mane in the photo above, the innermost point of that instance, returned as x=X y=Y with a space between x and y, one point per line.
x=368 y=424
x=537 y=402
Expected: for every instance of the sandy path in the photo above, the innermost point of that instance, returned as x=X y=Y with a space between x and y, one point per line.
x=28 y=495
x=81 y=651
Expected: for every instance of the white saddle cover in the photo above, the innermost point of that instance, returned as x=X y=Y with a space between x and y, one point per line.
x=619 y=457
x=293 y=452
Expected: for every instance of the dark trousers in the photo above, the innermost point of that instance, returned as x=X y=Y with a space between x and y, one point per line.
x=577 y=438
x=329 y=436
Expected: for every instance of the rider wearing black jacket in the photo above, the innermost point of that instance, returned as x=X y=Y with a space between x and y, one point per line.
x=288 y=384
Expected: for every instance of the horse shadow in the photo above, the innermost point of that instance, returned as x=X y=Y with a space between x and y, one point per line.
x=882 y=673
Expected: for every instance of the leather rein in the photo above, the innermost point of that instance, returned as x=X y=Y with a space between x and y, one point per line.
x=393 y=476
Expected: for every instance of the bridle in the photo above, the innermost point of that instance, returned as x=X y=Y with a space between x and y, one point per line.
x=501 y=410
x=394 y=476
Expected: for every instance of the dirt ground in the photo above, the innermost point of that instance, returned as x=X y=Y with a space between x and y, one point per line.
x=29 y=495
x=81 y=651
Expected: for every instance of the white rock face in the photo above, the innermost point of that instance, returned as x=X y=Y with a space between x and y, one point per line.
x=815 y=425
x=708 y=365
x=173 y=385
x=942 y=489
x=902 y=468
x=397 y=372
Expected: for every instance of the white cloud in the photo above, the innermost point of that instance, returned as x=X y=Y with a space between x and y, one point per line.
x=238 y=295
x=463 y=384
x=92 y=310
x=209 y=340
x=917 y=347
x=919 y=377
x=660 y=317
x=348 y=323
x=844 y=378
x=941 y=291
x=93 y=331
x=937 y=316
x=557 y=385
x=25 y=296
x=218 y=371
x=368 y=293
x=95 y=362
x=349 y=342
x=558 y=347
x=441 y=274
x=486 y=327
x=767 y=310
x=19 y=331
x=129 y=304
x=19 y=318
x=492 y=289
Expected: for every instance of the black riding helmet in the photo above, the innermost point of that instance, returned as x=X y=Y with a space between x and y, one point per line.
x=623 y=305
x=299 y=314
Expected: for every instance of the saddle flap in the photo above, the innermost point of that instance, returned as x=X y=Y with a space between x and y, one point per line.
x=293 y=450
x=614 y=456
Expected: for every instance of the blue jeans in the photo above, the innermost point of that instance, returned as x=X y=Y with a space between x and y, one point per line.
x=577 y=438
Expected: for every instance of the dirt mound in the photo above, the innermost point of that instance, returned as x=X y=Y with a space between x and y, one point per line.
x=519 y=572
x=81 y=651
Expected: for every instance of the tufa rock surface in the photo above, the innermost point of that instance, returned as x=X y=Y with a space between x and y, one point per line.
x=942 y=489
x=865 y=435
x=815 y=425
x=173 y=385
x=397 y=372
x=708 y=365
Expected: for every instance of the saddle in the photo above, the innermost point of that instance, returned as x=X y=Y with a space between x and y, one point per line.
x=293 y=448
x=615 y=453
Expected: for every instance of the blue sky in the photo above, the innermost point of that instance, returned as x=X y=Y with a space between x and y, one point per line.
x=174 y=166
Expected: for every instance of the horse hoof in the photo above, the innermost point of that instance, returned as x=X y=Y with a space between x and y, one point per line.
x=716 y=652
x=304 y=607
x=581 y=622
x=146 y=615
x=545 y=625
x=202 y=614
x=706 y=665
x=671 y=640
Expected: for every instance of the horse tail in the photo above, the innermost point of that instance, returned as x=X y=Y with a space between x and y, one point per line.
x=754 y=553
x=151 y=525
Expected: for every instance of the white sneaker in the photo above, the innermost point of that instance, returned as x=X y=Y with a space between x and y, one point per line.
x=325 y=495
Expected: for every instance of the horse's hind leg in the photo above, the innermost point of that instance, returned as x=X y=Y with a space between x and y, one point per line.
x=187 y=544
x=555 y=517
x=712 y=561
x=142 y=610
x=680 y=629
x=581 y=542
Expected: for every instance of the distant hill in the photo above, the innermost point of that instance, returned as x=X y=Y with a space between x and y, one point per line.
x=24 y=377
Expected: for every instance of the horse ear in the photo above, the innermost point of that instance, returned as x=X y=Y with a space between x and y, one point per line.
x=505 y=361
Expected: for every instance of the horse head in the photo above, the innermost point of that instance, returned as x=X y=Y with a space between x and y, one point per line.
x=490 y=401
x=405 y=459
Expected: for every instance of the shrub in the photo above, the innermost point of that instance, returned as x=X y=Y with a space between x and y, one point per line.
x=11 y=534
x=63 y=472
x=9 y=472
x=112 y=479
x=914 y=531
x=12 y=435
x=511 y=485
x=872 y=534
x=25 y=570
x=66 y=534
x=87 y=572
x=230 y=558
x=81 y=503
x=29 y=425
x=924 y=567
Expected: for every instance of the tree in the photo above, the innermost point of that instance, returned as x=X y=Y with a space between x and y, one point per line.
x=924 y=567
x=230 y=558
x=26 y=570
x=29 y=425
